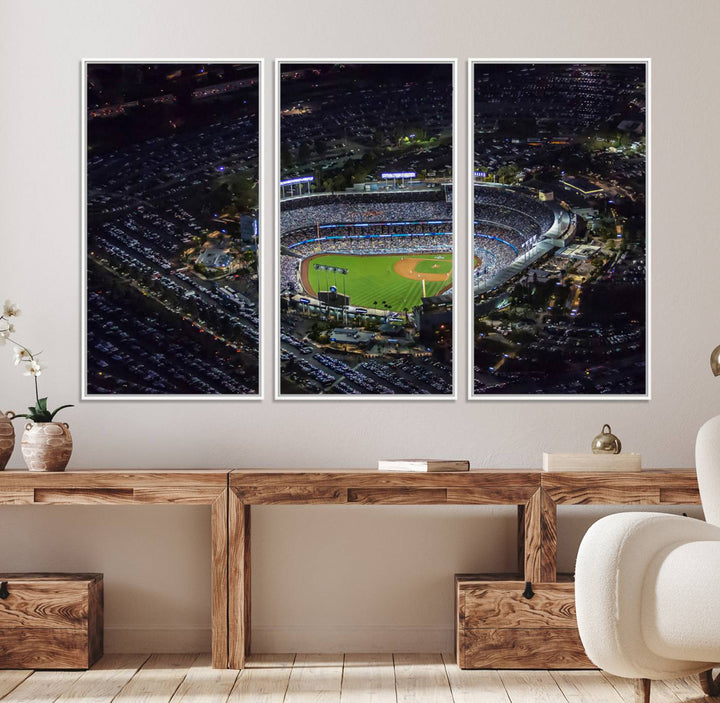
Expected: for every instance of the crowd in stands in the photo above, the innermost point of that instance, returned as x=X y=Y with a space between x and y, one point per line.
x=514 y=208
x=515 y=220
x=494 y=256
x=289 y=274
x=376 y=245
x=338 y=209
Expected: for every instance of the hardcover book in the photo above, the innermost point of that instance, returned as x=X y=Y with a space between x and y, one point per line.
x=422 y=465
x=592 y=462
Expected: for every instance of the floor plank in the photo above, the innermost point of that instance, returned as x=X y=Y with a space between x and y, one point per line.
x=586 y=687
x=686 y=688
x=329 y=678
x=659 y=692
x=158 y=680
x=203 y=684
x=474 y=685
x=264 y=680
x=105 y=680
x=315 y=677
x=11 y=678
x=43 y=687
x=368 y=678
x=531 y=687
x=421 y=677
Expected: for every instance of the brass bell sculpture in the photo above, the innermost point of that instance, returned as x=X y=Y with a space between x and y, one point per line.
x=606 y=442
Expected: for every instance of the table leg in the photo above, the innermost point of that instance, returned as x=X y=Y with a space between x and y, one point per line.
x=219 y=615
x=537 y=538
x=238 y=581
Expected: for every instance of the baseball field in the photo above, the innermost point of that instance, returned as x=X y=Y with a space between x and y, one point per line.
x=383 y=281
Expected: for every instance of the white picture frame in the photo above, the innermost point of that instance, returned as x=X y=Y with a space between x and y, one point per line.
x=278 y=395
x=263 y=239
x=489 y=397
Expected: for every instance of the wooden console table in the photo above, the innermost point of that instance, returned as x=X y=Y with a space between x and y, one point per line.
x=537 y=495
x=201 y=487
x=231 y=494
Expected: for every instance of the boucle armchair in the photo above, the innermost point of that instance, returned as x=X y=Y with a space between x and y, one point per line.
x=647 y=586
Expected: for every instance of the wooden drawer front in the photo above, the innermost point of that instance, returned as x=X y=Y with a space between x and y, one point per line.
x=502 y=604
x=497 y=627
x=522 y=648
x=62 y=604
x=48 y=648
x=51 y=621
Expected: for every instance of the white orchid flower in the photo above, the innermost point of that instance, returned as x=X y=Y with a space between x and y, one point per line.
x=6 y=332
x=33 y=368
x=10 y=309
x=22 y=355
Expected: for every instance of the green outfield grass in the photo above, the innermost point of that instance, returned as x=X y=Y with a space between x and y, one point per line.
x=372 y=281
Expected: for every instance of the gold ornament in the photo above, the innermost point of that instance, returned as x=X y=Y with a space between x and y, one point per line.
x=606 y=442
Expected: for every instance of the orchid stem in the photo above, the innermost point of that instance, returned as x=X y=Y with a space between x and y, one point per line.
x=31 y=356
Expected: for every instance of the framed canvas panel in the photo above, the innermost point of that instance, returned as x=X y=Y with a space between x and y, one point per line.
x=559 y=211
x=365 y=229
x=171 y=173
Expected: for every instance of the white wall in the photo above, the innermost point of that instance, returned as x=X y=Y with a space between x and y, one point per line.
x=367 y=577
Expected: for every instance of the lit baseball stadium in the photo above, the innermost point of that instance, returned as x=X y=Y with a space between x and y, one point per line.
x=397 y=246
x=513 y=229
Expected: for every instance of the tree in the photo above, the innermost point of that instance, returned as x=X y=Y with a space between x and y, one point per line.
x=286 y=155
x=219 y=198
x=304 y=152
x=244 y=190
x=508 y=173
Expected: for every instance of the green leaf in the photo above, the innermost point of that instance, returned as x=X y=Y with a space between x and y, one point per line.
x=57 y=410
x=42 y=404
x=33 y=409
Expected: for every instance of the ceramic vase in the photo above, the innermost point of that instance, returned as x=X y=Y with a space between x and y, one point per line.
x=7 y=437
x=46 y=446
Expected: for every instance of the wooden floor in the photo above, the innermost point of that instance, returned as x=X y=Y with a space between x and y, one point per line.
x=322 y=678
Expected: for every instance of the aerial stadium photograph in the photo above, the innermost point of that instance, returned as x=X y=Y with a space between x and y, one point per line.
x=366 y=236
x=559 y=303
x=171 y=215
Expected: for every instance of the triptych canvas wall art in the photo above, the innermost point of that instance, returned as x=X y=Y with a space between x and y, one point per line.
x=366 y=229
x=171 y=252
x=558 y=209
x=364 y=253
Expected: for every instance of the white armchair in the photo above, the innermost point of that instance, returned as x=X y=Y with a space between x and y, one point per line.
x=647 y=586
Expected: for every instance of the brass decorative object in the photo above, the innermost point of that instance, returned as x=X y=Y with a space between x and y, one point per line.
x=7 y=437
x=715 y=360
x=606 y=442
x=46 y=446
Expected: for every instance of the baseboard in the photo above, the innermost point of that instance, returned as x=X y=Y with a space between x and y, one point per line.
x=272 y=640
x=352 y=638
x=147 y=640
